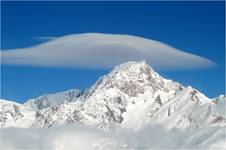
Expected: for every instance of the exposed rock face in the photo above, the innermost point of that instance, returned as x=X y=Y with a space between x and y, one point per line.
x=158 y=100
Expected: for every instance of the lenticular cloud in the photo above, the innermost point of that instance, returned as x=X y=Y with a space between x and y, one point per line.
x=103 y=51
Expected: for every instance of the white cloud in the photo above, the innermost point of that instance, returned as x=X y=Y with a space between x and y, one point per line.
x=46 y=38
x=98 y=51
x=83 y=137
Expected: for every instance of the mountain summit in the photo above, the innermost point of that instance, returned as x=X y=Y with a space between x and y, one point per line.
x=132 y=95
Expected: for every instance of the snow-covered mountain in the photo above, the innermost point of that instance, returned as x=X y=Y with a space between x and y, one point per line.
x=50 y=100
x=132 y=95
x=13 y=114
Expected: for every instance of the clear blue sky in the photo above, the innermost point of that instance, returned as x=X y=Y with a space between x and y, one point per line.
x=197 y=27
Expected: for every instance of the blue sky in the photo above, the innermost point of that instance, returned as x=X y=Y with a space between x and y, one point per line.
x=195 y=27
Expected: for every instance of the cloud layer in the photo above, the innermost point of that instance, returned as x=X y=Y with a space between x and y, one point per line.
x=84 y=137
x=103 y=51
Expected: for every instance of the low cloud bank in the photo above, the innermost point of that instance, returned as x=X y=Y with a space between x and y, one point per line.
x=103 y=51
x=83 y=137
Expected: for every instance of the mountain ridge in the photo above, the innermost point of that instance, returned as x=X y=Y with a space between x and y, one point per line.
x=131 y=95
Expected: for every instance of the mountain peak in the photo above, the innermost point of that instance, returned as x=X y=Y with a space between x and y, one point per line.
x=138 y=75
x=133 y=69
x=135 y=66
x=141 y=63
x=133 y=78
